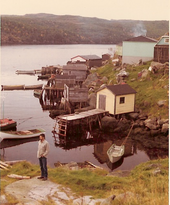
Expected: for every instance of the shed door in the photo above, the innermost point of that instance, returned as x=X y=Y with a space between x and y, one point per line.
x=102 y=102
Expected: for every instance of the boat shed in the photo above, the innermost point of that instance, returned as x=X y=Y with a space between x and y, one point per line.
x=161 y=50
x=117 y=99
x=77 y=70
x=89 y=60
x=138 y=48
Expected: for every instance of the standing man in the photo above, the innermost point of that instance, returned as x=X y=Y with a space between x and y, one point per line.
x=43 y=150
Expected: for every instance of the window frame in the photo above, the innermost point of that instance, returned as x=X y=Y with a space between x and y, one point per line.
x=122 y=100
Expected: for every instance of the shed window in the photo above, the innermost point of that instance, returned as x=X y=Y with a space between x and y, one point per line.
x=122 y=100
x=166 y=40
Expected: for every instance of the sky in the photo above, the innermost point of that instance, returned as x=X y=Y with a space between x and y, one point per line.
x=105 y=9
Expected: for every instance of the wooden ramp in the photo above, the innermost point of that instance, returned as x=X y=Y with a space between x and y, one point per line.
x=87 y=117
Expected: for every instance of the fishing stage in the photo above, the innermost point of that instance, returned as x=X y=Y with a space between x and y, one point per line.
x=76 y=122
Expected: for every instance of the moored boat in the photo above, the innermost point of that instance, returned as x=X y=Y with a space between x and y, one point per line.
x=115 y=152
x=37 y=92
x=21 y=134
x=7 y=124
x=28 y=72
x=12 y=87
x=32 y=87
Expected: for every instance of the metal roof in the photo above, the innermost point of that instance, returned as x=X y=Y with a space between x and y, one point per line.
x=120 y=89
x=141 y=39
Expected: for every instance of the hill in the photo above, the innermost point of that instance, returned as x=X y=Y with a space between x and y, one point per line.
x=56 y=29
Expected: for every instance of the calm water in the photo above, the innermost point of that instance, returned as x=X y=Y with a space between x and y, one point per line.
x=23 y=107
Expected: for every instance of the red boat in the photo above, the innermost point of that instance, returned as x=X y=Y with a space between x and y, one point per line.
x=7 y=124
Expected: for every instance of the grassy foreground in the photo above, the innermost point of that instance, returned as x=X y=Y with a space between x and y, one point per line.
x=147 y=186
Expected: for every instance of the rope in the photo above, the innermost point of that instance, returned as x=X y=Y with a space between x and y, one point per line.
x=25 y=120
x=124 y=142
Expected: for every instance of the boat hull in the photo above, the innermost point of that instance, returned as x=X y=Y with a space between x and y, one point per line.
x=7 y=124
x=21 y=134
x=115 y=153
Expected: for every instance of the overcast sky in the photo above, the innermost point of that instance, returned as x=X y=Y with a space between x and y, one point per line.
x=105 y=9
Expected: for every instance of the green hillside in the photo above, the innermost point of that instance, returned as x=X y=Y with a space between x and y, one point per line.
x=150 y=89
x=55 y=29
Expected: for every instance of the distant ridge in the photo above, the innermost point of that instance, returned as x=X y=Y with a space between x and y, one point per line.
x=45 y=28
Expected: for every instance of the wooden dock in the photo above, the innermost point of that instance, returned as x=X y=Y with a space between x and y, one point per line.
x=72 y=123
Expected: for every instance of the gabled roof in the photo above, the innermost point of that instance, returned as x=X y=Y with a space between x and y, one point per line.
x=160 y=42
x=120 y=89
x=87 y=57
x=141 y=39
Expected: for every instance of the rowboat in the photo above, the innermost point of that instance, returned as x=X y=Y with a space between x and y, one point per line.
x=32 y=87
x=37 y=92
x=115 y=152
x=28 y=72
x=7 y=124
x=21 y=134
x=12 y=87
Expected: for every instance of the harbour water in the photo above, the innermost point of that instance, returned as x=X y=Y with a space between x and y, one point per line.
x=22 y=106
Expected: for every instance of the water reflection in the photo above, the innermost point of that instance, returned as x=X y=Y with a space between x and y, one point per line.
x=14 y=142
x=81 y=139
x=101 y=145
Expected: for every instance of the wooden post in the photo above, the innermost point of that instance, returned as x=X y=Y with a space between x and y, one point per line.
x=99 y=120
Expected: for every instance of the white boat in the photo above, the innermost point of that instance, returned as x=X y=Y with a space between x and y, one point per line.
x=28 y=72
x=115 y=152
x=21 y=134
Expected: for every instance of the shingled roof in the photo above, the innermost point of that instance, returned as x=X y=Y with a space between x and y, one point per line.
x=120 y=89
x=141 y=39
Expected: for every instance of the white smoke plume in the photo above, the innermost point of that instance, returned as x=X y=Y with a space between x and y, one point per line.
x=139 y=30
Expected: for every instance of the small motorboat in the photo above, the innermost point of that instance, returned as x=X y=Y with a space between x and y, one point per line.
x=7 y=124
x=21 y=134
x=115 y=152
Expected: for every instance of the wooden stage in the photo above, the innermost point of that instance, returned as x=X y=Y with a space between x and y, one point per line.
x=81 y=115
x=72 y=123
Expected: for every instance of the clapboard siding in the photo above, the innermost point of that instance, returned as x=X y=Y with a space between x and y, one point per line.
x=126 y=107
x=75 y=94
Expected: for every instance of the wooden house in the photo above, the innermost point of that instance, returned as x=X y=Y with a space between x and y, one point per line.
x=117 y=99
x=77 y=70
x=73 y=93
x=138 y=48
x=58 y=81
x=161 y=50
x=89 y=60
